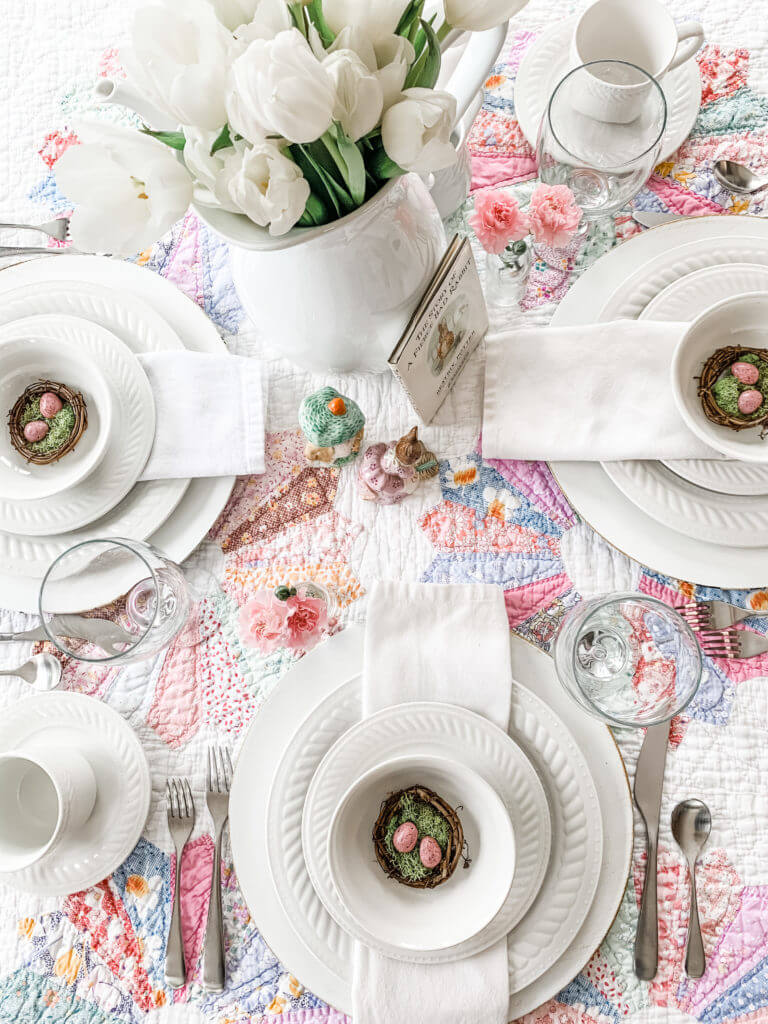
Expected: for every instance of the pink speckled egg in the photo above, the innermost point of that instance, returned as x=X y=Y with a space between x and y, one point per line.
x=35 y=431
x=750 y=401
x=405 y=837
x=50 y=404
x=430 y=853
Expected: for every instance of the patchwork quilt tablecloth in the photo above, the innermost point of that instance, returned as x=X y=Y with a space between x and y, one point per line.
x=97 y=957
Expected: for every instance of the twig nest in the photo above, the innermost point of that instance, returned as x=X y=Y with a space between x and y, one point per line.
x=733 y=387
x=417 y=838
x=47 y=421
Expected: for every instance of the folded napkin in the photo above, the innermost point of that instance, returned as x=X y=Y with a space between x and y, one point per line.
x=210 y=415
x=451 y=644
x=594 y=392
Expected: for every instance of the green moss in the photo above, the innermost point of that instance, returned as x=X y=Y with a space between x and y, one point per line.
x=60 y=426
x=728 y=388
x=429 y=822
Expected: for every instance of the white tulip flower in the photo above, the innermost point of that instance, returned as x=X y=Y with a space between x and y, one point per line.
x=359 y=97
x=268 y=187
x=235 y=13
x=389 y=58
x=269 y=17
x=128 y=189
x=211 y=172
x=416 y=131
x=278 y=87
x=479 y=15
x=178 y=58
x=373 y=18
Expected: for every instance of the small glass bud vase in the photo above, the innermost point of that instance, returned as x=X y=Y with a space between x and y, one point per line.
x=506 y=274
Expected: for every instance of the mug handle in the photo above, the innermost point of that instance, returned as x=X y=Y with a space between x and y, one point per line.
x=690 y=36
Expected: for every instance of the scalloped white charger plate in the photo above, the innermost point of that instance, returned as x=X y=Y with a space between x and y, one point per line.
x=204 y=499
x=273 y=730
x=123 y=788
x=430 y=729
x=548 y=59
x=623 y=283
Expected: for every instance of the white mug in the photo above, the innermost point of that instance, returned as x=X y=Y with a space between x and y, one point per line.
x=639 y=32
x=44 y=793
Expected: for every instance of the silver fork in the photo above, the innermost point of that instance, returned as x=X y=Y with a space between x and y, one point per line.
x=713 y=615
x=217 y=798
x=181 y=821
x=732 y=644
x=57 y=228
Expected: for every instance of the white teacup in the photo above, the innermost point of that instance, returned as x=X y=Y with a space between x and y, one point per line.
x=639 y=32
x=44 y=793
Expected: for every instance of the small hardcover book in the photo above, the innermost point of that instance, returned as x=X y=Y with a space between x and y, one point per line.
x=445 y=329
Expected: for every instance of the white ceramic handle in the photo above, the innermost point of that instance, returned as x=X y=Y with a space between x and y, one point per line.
x=690 y=36
x=481 y=53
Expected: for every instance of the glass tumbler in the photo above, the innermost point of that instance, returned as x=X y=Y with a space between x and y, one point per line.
x=605 y=163
x=628 y=659
x=135 y=602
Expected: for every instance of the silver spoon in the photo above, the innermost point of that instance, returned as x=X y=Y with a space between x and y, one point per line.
x=738 y=178
x=42 y=671
x=691 y=825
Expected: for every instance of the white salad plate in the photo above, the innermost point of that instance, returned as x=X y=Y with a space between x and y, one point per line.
x=308 y=947
x=128 y=402
x=422 y=922
x=113 y=750
x=201 y=502
x=548 y=59
x=663 y=255
x=431 y=729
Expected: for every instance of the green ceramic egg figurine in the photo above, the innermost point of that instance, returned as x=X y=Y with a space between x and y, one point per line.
x=333 y=426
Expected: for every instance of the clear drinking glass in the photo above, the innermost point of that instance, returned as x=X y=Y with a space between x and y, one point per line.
x=604 y=163
x=144 y=596
x=628 y=659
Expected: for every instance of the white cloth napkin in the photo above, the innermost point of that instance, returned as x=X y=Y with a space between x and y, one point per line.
x=594 y=392
x=426 y=641
x=210 y=415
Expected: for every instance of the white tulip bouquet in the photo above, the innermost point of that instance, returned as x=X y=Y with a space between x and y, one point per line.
x=292 y=113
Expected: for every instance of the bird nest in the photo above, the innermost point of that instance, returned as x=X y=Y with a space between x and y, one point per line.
x=16 y=425
x=711 y=373
x=452 y=845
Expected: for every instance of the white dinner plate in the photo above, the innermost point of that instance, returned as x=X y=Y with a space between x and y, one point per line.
x=203 y=500
x=695 y=292
x=548 y=59
x=131 y=435
x=310 y=682
x=430 y=729
x=706 y=241
x=123 y=791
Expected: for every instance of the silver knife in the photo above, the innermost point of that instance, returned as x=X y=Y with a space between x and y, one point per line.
x=649 y=782
x=110 y=636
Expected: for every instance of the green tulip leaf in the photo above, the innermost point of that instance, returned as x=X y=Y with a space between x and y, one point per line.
x=222 y=141
x=315 y=212
x=383 y=167
x=424 y=71
x=348 y=160
x=175 y=140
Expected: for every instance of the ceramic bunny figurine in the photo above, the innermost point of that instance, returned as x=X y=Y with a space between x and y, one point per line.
x=391 y=471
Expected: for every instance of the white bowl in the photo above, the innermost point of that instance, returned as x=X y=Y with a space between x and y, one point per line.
x=742 y=320
x=22 y=362
x=422 y=919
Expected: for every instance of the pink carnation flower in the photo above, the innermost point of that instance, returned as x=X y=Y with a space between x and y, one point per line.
x=498 y=220
x=554 y=214
x=263 y=622
x=305 y=621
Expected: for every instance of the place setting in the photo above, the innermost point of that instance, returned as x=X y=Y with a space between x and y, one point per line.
x=383 y=478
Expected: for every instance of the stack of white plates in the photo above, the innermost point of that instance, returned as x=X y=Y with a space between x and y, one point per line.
x=699 y=520
x=83 y=320
x=558 y=781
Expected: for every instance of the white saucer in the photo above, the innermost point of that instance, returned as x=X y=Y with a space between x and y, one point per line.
x=429 y=729
x=548 y=59
x=130 y=437
x=123 y=788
